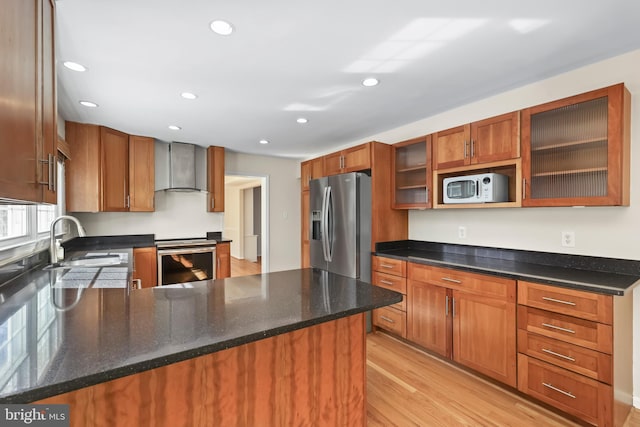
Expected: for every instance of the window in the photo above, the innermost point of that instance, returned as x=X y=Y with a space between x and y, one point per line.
x=13 y=221
x=20 y=224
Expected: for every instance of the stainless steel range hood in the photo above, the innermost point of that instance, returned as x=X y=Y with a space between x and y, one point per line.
x=180 y=166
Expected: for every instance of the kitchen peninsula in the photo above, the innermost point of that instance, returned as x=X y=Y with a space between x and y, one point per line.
x=284 y=348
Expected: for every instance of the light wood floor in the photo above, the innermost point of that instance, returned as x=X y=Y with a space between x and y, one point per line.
x=242 y=267
x=407 y=387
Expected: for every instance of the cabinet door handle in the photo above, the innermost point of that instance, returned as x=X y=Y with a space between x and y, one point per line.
x=213 y=202
x=473 y=148
x=453 y=307
x=559 y=301
x=571 y=331
x=386 y=265
x=387 y=319
x=128 y=201
x=553 y=353
x=524 y=188
x=446 y=305
x=566 y=393
x=387 y=282
x=447 y=279
x=465 y=148
x=51 y=166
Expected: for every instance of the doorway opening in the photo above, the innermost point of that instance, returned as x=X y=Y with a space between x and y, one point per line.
x=245 y=223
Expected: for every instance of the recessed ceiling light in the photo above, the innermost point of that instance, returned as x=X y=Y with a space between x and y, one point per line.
x=371 y=81
x=188 y=95
x=174 y=127
x=264 y=141
x=74 y=66
x=88 y=104
x=302 y=120
x=221 y=27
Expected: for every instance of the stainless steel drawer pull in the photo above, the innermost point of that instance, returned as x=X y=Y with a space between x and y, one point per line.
x=558 y=355
x=386 y=282
x=559 y=301
x=387 y=319
x=566 y=393
x=446 y=279
x=571 y=331
x=386 y=265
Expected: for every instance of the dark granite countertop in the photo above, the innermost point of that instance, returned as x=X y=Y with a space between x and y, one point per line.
x=595 y=274
x=109 y=242
x=103 y=334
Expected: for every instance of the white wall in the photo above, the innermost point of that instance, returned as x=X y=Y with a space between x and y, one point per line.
x=283 y=191
x=600 y=231
x=232 y=223
x=177 y=215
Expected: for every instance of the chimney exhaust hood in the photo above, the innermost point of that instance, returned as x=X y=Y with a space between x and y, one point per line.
x=180 y=166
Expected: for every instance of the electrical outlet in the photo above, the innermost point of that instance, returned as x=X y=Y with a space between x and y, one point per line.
x=568 y=239
x=462 y=232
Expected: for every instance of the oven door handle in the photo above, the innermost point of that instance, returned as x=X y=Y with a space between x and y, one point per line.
x=185 y=251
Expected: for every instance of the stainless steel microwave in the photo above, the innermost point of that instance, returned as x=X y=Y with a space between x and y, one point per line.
x=481 y=188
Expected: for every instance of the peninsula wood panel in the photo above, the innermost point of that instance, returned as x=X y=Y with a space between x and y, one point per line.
x=312 y=376
x=223 y=260
x=145 y=266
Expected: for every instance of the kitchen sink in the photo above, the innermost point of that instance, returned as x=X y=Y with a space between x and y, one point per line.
x=88 y=261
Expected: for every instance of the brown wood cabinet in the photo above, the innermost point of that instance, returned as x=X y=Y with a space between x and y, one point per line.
x=145 y=266
x=352 y=159
x=110 y=171
x=141 y=161
x=391 y=274
x=223 y=260
x=468 y=317
x=114 y=178
x=215 y=179
x=489 y=140
x=411 y=175
x=567 y=355
x=311 y=169
x=28 y=111
x=576 y=151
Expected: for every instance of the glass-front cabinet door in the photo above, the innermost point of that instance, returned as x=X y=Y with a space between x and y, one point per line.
x=575 y=151
x=411 y=176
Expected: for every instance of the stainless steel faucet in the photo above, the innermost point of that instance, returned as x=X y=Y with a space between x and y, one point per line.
x=52 y=235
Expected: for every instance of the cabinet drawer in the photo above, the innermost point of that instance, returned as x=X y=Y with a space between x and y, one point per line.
x=590 y=363
x=392 y=266
x=391 y=319
x=586 y=305
x=395 y=283
x=585 y=333
x=583 y=397
x=479 y=284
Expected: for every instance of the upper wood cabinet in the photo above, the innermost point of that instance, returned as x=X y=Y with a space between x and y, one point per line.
x=575 y=151
x=311 y=169
x=141 y=161
x=110 y=171
x=411 y=174
x=114 y=169
x=215 y=179
x=28 y=111
x=488 y=140
x=349 y=160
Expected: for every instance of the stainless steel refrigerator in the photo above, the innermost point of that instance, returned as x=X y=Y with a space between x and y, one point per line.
x=340 y=224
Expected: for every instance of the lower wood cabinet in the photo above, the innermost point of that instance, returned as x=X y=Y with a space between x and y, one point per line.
x=468 y=317
x=567 y=355
x=390 y=273
x=223 y=260
x=145 y=267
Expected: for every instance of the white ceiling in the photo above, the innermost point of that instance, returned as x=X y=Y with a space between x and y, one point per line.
x=299 y=58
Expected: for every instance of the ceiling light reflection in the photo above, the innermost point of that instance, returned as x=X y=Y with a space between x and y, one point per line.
x=524 y=26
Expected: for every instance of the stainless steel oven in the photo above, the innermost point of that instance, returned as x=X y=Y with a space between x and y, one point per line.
x=186 y=261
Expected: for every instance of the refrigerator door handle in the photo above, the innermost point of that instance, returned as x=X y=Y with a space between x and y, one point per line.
x=330 y=224
x=324 y=226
